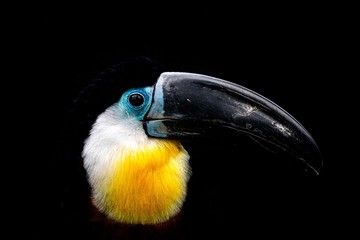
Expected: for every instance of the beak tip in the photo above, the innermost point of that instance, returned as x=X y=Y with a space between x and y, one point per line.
x=315 y=165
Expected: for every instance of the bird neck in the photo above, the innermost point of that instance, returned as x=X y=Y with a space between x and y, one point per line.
x=135 y=179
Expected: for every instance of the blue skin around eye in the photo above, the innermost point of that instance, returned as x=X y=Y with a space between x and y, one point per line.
x=140 y=111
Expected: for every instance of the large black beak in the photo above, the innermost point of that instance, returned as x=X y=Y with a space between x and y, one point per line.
x=193 y=105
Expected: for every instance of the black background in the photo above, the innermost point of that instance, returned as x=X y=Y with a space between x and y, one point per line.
x=293 y=55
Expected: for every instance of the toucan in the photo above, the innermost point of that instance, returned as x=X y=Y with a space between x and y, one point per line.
x=126 y=156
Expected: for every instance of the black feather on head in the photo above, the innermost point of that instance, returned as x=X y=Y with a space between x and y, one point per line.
x=107 y=87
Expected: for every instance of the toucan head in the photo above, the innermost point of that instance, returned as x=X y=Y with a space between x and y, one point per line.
x=133 y=155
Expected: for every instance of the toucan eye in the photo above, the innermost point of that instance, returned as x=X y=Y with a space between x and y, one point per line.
x=136 y=99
